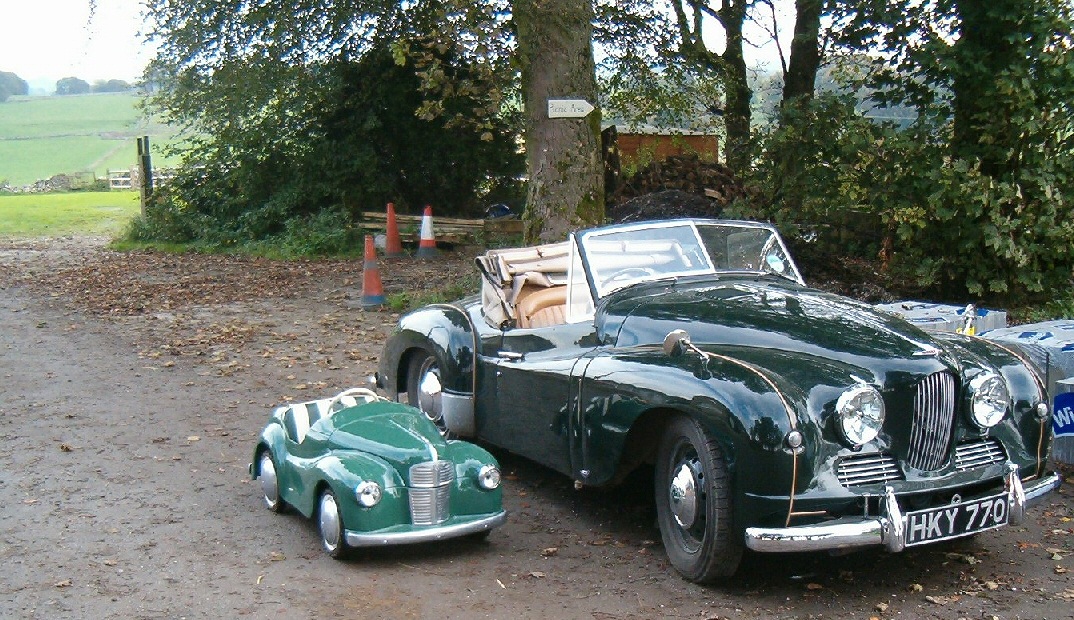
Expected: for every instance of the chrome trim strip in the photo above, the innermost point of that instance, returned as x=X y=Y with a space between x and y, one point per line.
x=361 y=539
x=1039 y=488
x=458 y=412
x=888 y=529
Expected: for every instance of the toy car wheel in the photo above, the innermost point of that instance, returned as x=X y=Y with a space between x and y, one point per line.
x=693 y=502
x=330 y=526
x=270 y=484
x=425 y=390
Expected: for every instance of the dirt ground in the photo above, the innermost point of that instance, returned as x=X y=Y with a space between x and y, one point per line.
x=132 y=389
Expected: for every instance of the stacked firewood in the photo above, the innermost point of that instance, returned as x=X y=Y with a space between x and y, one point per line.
x=688 y=173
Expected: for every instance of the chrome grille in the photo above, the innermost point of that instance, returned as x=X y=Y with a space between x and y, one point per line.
x=861 y=469
x=978 y=454
x=934 y=414
x=430 y=492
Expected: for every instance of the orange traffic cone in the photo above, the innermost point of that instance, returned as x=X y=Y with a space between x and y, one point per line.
x=372 y=288
x=394 y=247
x=427 y=243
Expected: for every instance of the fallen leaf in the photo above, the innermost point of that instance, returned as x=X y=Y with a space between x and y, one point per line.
x=66 y=583
x=814 y=586
x=881 y=607
x=941 y=600
x=916 y=587
x=537 y=574
x=193 y=438
x=66 y=448
x=549 y=551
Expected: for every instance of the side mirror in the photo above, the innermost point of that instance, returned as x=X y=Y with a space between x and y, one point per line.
x=675 y=342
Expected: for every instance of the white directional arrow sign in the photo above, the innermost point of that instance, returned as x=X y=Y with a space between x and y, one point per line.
x=569 y=108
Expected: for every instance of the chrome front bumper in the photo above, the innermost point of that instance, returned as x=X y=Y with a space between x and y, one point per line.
x=430 y=534
x=888 y=529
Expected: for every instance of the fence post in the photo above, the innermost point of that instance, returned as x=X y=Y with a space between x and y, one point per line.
x=145 y=191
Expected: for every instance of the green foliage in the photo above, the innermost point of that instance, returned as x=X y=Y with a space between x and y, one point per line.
x=11 y=84
x=110 y=86
x=72 y=86
x=450 y=291
x=286 y=127
x=971 y=198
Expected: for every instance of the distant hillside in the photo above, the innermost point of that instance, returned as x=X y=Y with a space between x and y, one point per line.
x=80 y=134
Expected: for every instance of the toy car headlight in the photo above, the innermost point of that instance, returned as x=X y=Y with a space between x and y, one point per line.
x=368 y=493
x=489 y=477
x=861 y=414
x=990 y=399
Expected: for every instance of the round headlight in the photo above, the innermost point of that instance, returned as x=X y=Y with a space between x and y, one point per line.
x=368 y=493
x=990 y=399
x=489 y=477
x=861 y=414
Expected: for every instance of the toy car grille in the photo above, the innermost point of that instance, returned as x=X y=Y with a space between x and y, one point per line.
x=430 y=492
x=867 y=469
x=934 y=415
x=978 y=454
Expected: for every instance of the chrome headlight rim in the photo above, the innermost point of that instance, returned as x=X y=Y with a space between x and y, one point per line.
x=861 y=413
x=368 y=494
x=990 y=399
x=489 y=477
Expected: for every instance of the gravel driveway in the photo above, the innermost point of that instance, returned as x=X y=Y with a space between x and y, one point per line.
x=132 y=389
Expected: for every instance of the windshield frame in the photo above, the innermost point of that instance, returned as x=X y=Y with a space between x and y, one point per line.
x=602 y=277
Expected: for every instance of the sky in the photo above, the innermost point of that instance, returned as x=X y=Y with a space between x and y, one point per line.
x=42 y=41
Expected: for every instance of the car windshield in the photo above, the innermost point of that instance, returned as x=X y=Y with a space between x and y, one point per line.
x=626 y=255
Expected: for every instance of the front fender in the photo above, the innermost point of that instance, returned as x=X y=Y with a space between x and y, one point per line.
x=444 y=330
x=343 y=472
x=627 y=396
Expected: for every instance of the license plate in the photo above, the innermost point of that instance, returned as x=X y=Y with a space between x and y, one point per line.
x=926 y=526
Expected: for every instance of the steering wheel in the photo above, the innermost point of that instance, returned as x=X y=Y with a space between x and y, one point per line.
x=354 y=394
x=628 y=273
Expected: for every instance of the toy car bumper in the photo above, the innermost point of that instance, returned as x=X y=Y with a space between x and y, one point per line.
x=429 y=534
x=896 y=530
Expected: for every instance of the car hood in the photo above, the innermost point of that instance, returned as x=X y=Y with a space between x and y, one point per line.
x=774 y=316
x=401 y=435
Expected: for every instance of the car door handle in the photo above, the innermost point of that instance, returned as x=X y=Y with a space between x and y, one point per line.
x=510 y=356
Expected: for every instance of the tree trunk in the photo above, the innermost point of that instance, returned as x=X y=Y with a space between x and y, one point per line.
x=801 y=77
x=563 y=155
x=737 y=113
x=799 y=83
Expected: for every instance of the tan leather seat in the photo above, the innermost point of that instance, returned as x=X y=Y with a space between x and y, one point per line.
x=543 y=307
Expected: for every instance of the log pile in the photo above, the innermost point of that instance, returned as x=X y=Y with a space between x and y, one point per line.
x=687 y=173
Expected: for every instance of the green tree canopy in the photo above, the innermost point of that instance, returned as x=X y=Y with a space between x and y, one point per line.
x=72 y=86
x=11 y=85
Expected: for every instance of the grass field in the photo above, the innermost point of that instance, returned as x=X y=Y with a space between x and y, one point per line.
x=53 y=215
x=82 y=134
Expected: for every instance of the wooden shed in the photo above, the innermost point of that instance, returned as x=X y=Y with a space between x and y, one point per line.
x=647 y=142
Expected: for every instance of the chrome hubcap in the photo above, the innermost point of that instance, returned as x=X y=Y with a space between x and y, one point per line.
x=267 y=477
x=430 y=391
x=683 y=495
x=329 y=522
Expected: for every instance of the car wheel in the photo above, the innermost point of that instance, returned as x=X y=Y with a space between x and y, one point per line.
x=693 y=503
x=270 y=483
x=424 y=389
x=330 y=526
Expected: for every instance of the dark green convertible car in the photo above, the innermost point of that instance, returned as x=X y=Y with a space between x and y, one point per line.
x=776 y=417
x=373 y=472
